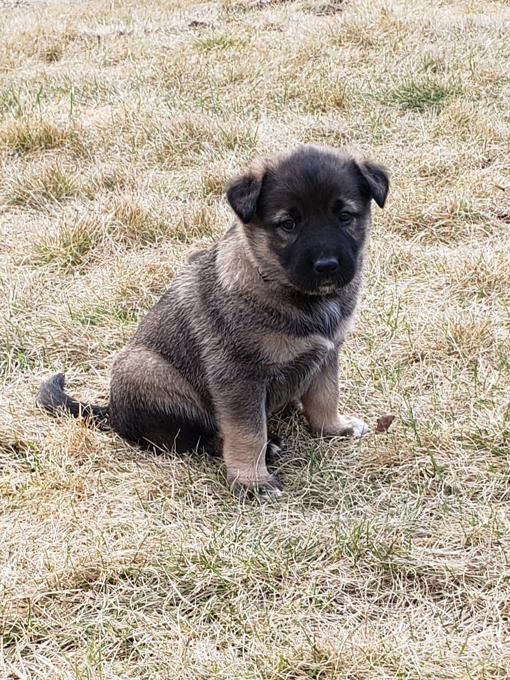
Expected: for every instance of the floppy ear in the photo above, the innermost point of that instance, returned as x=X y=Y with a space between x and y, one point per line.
x=243 y=193
x=377 y=179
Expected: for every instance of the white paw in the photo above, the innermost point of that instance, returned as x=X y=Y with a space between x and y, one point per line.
x=271 y=492
x=359 y=428
x=343 y=426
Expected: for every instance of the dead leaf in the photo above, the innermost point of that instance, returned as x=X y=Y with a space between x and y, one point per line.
x=383 y=423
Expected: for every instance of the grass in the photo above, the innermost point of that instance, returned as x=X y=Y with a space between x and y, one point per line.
x=69 y=246
x=386 y=558
x=24 y=136
x=39 y=185
x=420 y=95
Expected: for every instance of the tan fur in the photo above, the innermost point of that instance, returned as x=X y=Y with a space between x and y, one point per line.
x=343 y=330
x=268 y=265
x=280 y=349
x=250 y=266
x=244 y=453
x=320 y=401
x=234 y=272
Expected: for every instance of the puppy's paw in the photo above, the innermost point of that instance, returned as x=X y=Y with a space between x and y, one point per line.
x=352 y=427
x=345 y=426
x=269 y=488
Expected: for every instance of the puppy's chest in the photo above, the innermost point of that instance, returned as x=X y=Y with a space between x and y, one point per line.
x=283 y=350
x=293 y=360
x=280 y=351
x=293 y=365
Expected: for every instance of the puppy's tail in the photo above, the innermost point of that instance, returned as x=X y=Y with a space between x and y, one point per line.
x=52 y=398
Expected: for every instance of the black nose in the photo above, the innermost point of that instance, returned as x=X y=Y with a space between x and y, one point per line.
x=326 y=265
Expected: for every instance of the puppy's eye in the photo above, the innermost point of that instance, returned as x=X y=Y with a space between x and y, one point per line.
x=287 y=225
x=344 y=217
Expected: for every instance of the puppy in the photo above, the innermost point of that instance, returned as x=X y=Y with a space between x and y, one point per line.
x=252 y=324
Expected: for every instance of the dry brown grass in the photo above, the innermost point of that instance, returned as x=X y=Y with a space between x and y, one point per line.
x=386 y=558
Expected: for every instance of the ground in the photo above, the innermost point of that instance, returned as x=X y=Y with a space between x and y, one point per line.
x=386 y=557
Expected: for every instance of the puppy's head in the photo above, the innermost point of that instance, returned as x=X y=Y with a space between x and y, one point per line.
x=306 y=215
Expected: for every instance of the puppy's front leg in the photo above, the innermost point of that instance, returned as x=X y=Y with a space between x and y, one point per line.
x=243 y=426
x=320 y=404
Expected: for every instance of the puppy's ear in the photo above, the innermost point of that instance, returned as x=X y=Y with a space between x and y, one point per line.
x=243 y=193
x=377 y=179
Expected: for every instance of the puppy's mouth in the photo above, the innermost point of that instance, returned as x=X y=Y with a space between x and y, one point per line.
x=321 y=286
x=316 y=286
x=329 y=287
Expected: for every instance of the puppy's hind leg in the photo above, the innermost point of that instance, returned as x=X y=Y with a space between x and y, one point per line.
x=152 y=404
